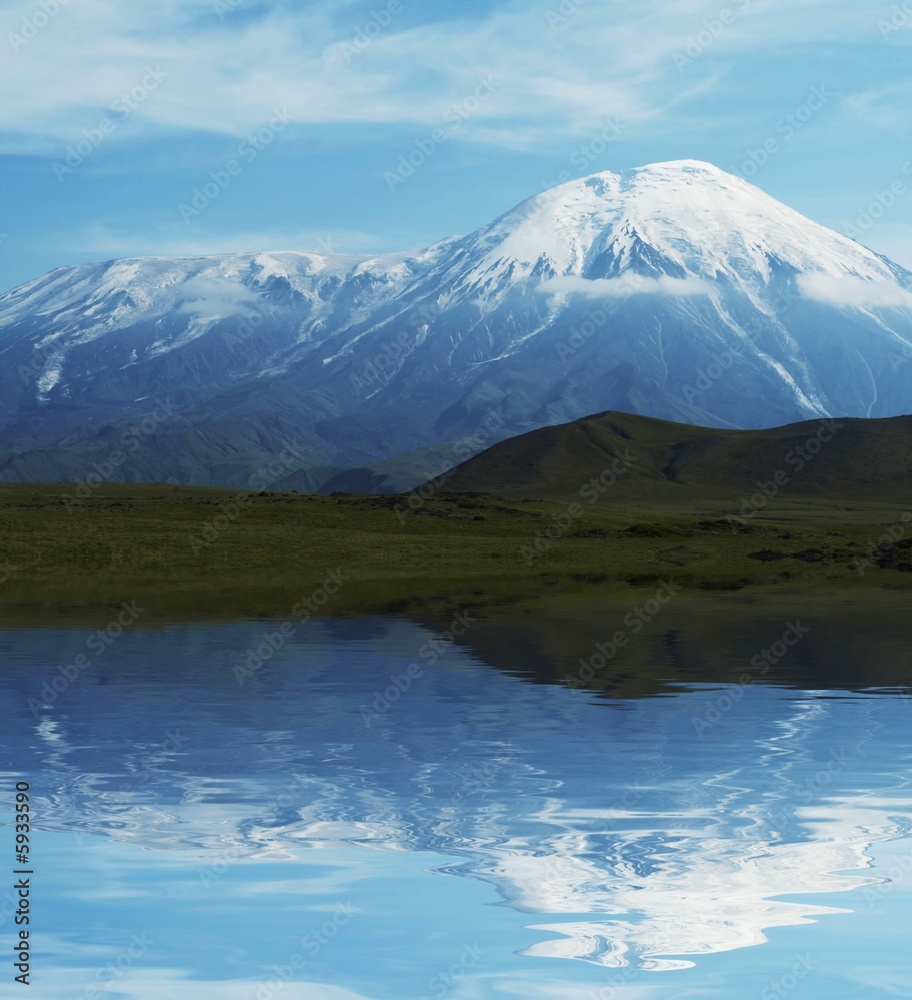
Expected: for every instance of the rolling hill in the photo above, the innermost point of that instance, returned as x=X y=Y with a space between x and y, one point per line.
x=614 y=455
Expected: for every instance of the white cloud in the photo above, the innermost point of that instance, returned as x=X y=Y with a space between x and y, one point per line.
x=854 y=293
x=885 y=108
x=215 y=297
x=226 y=74
x=175 y=242
x=626 y=285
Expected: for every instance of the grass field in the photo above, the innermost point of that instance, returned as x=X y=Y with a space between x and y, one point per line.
x=189 y=553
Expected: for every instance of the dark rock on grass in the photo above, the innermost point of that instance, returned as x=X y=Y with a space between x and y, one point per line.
x=389 y=501
x=725 y=584
x=643 y=579
x=813 y=555
x=731 y=524
x=650 y=530
x=767 y=555
x=896 y=555
x=805 y=555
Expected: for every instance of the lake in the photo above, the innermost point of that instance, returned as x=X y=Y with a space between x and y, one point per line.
x=363 y=808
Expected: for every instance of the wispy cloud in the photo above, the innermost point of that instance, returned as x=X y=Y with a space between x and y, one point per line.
x=624 y=286
x=888 y=108
x=226 y=73
x=672 y=80
x=166 y=241
x=215 y=297
x=854 y=293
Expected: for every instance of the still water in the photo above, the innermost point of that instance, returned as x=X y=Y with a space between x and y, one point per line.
x=330 y=825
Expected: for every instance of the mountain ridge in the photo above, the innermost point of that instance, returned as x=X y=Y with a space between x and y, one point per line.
x=614 y=291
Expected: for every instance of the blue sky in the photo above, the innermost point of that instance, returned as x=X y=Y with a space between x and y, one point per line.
x=290 y=120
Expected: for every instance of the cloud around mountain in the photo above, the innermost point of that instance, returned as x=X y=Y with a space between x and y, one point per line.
x=625 y=286
x=203 y=296
x=855 y=293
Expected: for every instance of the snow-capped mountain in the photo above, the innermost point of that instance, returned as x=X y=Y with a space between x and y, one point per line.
x=674 y=290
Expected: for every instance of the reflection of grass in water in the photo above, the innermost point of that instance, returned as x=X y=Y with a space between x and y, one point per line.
x=134 y=541
x=852 y=640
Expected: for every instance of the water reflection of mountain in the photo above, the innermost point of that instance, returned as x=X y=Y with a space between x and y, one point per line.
x=631 y=838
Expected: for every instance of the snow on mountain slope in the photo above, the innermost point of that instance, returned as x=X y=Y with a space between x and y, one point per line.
x=674 y=290
x=701 y=220
x=166 y=303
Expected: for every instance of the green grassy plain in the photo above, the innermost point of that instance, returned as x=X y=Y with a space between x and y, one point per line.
x=190 y=553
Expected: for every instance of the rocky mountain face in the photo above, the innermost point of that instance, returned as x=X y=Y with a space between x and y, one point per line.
x=673 y=290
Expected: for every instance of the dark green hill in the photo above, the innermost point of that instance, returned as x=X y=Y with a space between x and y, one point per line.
x=620 y=456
